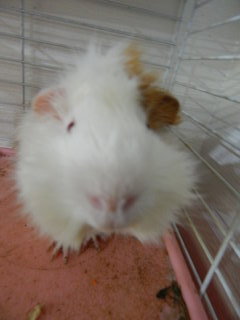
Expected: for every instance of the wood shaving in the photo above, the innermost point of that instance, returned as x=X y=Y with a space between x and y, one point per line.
x=35 y=312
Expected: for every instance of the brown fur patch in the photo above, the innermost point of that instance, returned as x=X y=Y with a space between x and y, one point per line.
x=133 y=62
x=161 y=107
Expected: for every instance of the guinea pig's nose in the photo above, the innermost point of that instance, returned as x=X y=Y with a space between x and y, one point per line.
x=124 y=203
x=112 y=204
x=128 y=202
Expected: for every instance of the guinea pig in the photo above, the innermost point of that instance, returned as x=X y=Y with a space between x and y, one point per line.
x=87 y=163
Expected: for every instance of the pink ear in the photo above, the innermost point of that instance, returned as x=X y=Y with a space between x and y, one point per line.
x=43 y=103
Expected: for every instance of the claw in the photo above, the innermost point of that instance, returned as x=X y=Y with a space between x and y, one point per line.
x=104 y=236
x=65 y=252
x=95 y=241
x=84 y=246
x=51 y=246
x=57 y=249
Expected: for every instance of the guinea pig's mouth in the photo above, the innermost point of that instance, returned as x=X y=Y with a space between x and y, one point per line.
x=116 y=226
x=112 y=227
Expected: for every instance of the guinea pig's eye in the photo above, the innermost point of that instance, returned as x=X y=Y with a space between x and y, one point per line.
x=70 y=126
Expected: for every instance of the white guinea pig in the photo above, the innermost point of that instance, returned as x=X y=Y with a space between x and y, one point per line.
x=88 y=164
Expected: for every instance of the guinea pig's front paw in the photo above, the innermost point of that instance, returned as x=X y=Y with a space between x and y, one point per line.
x=93 y=240
x=57 y=249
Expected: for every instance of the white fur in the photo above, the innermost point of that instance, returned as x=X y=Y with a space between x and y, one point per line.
x=109 y=152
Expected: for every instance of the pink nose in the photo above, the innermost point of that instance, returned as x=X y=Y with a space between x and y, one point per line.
x=129 y=201
x=112 y=204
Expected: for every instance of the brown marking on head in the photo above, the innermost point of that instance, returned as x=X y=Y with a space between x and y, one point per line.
x=161 y=107
x=134 y=67
x=133 y=63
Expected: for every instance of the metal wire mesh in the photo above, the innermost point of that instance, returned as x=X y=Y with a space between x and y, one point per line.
x=195 y=45
x=207 y=82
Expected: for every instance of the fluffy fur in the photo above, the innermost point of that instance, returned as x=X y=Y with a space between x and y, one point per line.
x=88 y=136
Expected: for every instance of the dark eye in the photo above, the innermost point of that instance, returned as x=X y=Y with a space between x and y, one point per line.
x=70 y=126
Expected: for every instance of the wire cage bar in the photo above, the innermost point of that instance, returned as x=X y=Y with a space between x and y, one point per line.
x=191 y=91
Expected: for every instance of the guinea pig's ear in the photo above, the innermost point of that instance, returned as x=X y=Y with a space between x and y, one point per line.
x=44 y=102
x=161 y=107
